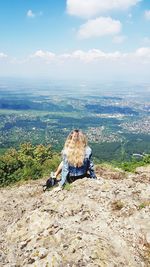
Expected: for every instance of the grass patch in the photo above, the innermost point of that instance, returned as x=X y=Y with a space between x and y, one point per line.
x=68 y=187
x=144 y=205
x=108 y=167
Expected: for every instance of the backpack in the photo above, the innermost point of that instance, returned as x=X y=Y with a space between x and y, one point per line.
x=49 y=183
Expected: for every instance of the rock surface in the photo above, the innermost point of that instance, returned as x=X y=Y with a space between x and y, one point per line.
x=104 y=222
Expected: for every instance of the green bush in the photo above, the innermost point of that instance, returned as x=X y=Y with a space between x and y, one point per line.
x=131 y=166
x=28 y=162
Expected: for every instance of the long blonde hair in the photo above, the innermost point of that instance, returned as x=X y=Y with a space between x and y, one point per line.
x=74 y=148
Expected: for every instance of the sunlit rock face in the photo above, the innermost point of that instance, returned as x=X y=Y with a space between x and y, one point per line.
x=102 y=222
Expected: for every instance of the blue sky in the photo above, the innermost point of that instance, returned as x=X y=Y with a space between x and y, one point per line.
x=53 y=37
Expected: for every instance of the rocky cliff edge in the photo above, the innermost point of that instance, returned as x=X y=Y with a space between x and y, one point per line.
x=104 y=222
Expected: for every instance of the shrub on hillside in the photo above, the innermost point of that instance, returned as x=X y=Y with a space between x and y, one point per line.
x=28 y=162
x=131 y=166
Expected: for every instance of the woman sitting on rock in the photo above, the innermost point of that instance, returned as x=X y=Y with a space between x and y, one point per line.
x=76 y=159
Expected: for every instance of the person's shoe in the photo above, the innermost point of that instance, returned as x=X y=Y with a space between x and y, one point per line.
x=53 y=176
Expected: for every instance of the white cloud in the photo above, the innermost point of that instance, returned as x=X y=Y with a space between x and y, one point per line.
x=77 y=55
x=3 y=56
x=99 y=27
x=92 y=55
x=147 y=14
x=90 y=8
x=119 y=39
x=94 y=64
x=30 y=14
x=143 y=52
x=45 y=55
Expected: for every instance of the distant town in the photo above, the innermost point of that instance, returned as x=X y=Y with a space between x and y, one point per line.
x=115 y=121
